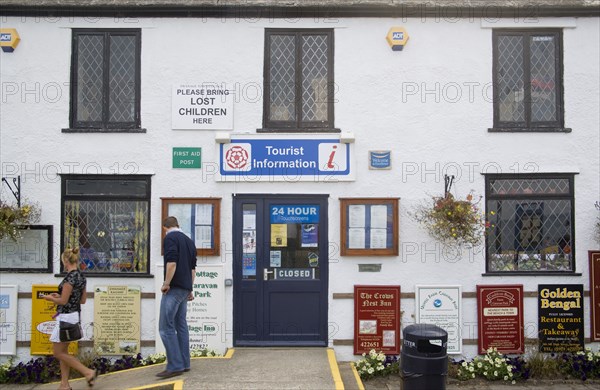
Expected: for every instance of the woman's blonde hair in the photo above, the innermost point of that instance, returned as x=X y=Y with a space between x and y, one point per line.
x=71 y=255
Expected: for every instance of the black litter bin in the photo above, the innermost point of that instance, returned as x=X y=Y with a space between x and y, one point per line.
x=424 y=358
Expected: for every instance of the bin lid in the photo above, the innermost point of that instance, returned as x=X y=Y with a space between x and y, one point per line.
x=424 y=331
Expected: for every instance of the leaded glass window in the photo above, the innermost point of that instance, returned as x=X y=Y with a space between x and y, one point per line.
x=107 y=217
x=299 y=80
x=528 y=79
x=529 y=223
x=106 y=79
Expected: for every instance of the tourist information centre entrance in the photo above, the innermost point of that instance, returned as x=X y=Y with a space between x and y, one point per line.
x=280 y=270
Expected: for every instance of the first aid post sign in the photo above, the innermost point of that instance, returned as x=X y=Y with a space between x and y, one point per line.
x=187 y=157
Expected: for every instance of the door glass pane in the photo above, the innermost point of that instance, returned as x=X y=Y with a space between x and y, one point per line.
x=294 y=242
x=249 y=242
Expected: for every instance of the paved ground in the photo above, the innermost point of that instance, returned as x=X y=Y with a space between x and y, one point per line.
x=278 y=368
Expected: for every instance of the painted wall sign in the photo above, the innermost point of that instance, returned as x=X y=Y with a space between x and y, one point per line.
x=441 y=306
x=560 y=312
x=380 y=159
x=282 y=159
x=187 y=157
x=117 y=320
x=9 y=39
x=8 y=320
x=500 y=318
x=377 y=319
x=201 y=107
x=294 y=213
x=42 y=321
x=595 y=294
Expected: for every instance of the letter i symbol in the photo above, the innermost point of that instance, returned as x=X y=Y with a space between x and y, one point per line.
x=331 y=156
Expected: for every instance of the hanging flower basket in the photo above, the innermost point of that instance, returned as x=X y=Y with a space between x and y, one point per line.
x=452 y=222
x=12 y=217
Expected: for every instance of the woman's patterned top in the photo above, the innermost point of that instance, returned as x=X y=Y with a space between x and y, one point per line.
x=77 y=280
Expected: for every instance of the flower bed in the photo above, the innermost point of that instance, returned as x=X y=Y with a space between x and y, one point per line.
x=47 y=369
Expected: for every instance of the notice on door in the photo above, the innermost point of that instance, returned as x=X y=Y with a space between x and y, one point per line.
x=377 y=319
x=500 y=314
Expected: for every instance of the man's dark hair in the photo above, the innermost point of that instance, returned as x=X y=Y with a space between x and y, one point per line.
x=170 y=222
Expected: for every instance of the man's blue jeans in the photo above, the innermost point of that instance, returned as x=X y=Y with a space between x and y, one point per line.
x=173 y=328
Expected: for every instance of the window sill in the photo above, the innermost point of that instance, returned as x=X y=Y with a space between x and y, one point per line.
x=532 y=273
x=102 y=130
x=295 y=130
x=529 y=130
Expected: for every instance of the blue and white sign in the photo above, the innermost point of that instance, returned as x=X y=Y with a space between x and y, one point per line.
x=285 y=159
x=380 y=159
x=294 y=213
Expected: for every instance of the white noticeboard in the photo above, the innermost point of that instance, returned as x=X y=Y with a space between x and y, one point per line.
x=205 y=314
x=441 y=306
x=8 y=320
x=204 y=106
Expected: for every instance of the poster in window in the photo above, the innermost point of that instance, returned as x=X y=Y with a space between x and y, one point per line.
x=248 y=265
x=249 y=241
x=379 y=216
x=356 y=216
x=310 y=235
x=203 y=237
x=278 y=235
x=204 y=214
x=356 y=238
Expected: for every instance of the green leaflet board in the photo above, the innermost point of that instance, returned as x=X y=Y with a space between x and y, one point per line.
x=187 y=158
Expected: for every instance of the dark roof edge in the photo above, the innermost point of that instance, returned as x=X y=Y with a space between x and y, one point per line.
x=255 y=12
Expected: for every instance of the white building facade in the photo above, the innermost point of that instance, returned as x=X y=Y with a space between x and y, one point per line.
x=256 y=124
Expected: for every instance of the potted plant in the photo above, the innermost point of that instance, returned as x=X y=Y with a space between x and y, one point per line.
x=12 y=217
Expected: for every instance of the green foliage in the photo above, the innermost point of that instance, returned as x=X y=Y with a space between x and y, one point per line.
x=492 y=366
x=376 y=364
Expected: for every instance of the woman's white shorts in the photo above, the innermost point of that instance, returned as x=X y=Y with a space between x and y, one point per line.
x=71 y=318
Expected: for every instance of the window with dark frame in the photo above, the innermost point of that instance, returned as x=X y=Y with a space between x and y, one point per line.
x=530 y=223
x=528 y=90
x=298 y=79
x=105 y=80
x=108 y=218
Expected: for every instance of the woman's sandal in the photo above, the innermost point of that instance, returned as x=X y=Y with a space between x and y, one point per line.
x=92 y=381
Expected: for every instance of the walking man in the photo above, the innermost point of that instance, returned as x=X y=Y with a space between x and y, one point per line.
x=179 y=274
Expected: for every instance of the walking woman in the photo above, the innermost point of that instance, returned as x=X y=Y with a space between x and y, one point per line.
x=71 y=294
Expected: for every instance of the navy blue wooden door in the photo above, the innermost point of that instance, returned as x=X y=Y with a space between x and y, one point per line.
x=280 y=270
